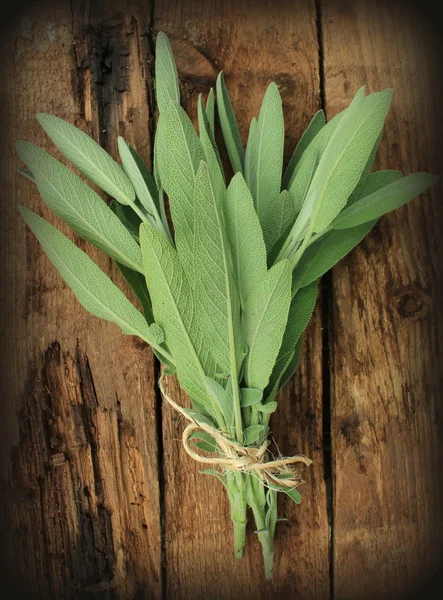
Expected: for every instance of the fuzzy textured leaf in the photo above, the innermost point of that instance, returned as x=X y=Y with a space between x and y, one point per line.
x=94 y=290
x=79 y=206
x=264 y=318
x=245 y=237
x=228 y=122
x=166 y=78
x=89 y=158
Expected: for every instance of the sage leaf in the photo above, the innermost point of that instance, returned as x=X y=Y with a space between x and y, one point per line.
x=228 y=122
x=245 y=237
x=300 y=312
x=324 y=253
x=179 y=161
x=250 y=396
x=207 y=443
x=221 y=397
x=317 y=123
x=137 y=283
x=279 y=219
x=264 y=320
x=131 y=166
x=210 y=151
x=218 y=301
x=166 y=78
x=94 y=290
x=252 y=434
x=345 y=157
x=79 y=206
x=27 y=173
x=210 y=110
x=384 y=200
x=267 y=164
x=174 y=310
x=267 y=407
x=89 y=158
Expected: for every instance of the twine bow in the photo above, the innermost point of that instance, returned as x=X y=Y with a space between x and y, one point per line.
x=235 y=457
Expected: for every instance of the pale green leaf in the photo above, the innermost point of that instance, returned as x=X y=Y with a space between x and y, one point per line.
x=94 y=290
x=279 y=219
x=222 y=399
x=317 y=123
x=300 y=311
x=267 y=158
x=245 y=237
x=89 y=158
x=264 y=318
x=137 y=283
x=132 y=170
x=252 y=434
x=228 y=122
x=210 y=110
x=218 y=301
x=174 y=310
x=79 y=206
x=207 y=443
x=250 y=396
x=345 y=157
x=292 y=364
x=166 y=78
x=212 y=157
x=323 y=254
x=251 y=152
x=384 y=200
x=27 y=173
x=179 y=161
x=267 y=407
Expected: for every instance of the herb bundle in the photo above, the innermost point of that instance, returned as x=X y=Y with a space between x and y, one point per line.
x=227 y=292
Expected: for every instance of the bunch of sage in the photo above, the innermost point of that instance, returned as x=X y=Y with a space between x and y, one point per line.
x=227 y=292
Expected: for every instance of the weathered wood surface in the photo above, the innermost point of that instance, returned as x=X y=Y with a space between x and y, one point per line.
x=99 y=498
x=386 y=325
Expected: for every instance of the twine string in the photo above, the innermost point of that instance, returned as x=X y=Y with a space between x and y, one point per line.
x=235 y=457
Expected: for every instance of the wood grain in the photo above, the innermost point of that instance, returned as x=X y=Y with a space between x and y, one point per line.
x=80 y=479
x=254 y=43
x=386 y=330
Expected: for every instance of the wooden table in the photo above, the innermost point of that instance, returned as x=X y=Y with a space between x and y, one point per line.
x=99 y=499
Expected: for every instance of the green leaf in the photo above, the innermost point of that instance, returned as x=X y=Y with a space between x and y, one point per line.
x=317 y=123
x=293 y=493
x=266 y=161
x=132 y=169
x=207 y=443
x=89 y=158
x=174 y=311
x=94 y=290
x=250 y=396
x=345 y=157
x=324 y=253
x=300 y=312
x=279 y=220
x=228 y=122
x=252 y=434
x=356 y=193
x=292 y=364
x=220 y=397
x=264 y=318
x=137 y=283
x=267 y=407
x=251 y=153
x=179 y=161
x=210 y=109
x=218 y=302
x=166 y=78
x=26 y=173
x=374 y=182
x=128 y=218
x=304 y=171
x=384 y=200
x=245 y=237
x=79 y=206
x=212 y=157
x=200 y=417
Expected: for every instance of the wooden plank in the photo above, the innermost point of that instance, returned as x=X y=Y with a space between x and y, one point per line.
x=80 y=478
x=387 y=326
x=254 y=43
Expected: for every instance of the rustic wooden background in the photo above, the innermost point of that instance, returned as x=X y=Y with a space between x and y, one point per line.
x=99 y=500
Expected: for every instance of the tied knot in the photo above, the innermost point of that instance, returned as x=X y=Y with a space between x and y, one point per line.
x=233 y=456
